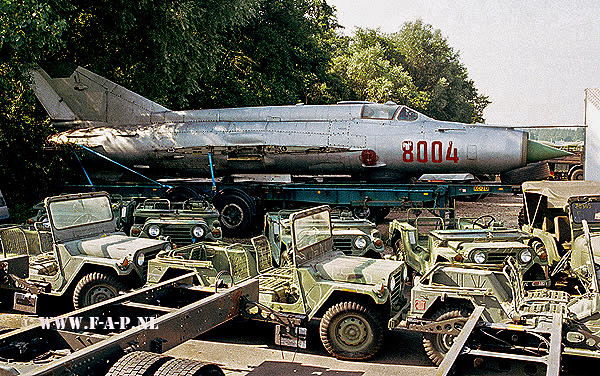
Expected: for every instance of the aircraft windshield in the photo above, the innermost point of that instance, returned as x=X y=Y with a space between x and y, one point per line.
x=378 y=111
x=589 y=210
x=406 y=114
x=80 y=212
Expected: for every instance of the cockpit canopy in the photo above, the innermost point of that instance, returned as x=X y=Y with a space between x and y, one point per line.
x=386 y=111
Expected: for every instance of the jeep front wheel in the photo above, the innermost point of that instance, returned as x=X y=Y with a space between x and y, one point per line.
x=437 y=345
x=94 y=288
x=352 y=331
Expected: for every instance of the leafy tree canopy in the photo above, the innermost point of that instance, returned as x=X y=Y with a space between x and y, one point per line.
x=414 y=66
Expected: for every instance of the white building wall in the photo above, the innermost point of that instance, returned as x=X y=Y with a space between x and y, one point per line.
x=592 y=135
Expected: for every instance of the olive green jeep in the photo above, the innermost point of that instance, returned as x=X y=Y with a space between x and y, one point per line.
x=512 y=318
x=427 y=240
x=553 y=212
x=184 y=223
x=353 y=296
x=76 y=251
x=351 y=235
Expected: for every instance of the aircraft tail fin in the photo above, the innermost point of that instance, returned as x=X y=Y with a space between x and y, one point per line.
x=72 y=94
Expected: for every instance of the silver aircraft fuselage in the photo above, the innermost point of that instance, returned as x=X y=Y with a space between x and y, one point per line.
x=345 y=138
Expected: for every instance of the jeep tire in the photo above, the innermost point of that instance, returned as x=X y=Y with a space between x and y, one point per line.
x=95 y=287
x=437 y=345
x=352 y=331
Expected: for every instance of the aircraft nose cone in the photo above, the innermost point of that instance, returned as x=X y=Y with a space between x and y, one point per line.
x=537 y=152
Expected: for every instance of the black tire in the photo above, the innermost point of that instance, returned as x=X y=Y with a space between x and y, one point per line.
x=398 y=246
x=138 y=363
x=94 y=288
x=236 y=215
x=180 y=194
x=437 y=345
x=188 y=367
x=372 y=213
x=533 y=171
x=352 y=331
x=577 y=174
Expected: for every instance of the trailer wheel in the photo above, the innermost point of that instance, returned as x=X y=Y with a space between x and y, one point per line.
x=437 y=345
x=188 y=367
x=532 y=171
x=94 y=288
x=352 y=331
x=236 y=214
x=372 y=213
x=576 y=174
x=138 y=363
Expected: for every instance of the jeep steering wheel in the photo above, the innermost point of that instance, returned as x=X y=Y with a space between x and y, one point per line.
x=486 y=219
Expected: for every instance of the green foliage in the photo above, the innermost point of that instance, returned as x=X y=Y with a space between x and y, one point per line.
x=281 y=57
x=557 y=134
x=29 y=30
x=414 y=66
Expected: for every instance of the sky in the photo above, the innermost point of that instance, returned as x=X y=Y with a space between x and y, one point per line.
x=532 y=58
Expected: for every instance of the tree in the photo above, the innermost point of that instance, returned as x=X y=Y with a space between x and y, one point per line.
x=414 y=66
x=281 y=57
x=29 y=30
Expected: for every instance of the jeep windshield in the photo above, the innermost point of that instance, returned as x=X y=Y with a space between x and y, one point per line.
x=311 y=230
x=588 y=210
x=81 y=211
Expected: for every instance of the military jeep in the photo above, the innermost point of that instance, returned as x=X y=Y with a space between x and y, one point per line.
x=184 y=223
x=553 y=212
x=448 y=293
x=481 y=240
x=77 y=251
x=351 y=235
x=352 y=296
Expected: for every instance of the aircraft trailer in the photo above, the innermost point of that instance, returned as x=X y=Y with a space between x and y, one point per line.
x=242 y=204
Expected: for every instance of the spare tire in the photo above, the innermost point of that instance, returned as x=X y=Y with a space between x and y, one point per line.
x=531 y=172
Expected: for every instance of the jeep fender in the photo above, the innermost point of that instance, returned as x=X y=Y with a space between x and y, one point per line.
x=76 y=267
x=549 y=243
x=324 y=294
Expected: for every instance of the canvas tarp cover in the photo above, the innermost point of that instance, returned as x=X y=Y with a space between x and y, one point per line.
x=558 y=192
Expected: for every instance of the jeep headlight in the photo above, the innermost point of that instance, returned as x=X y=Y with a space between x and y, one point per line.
x=198 y=232
x=360 y=242
x=154 y=231
x=479 y=257
x=525 y=256
x=141 y=258
x=392 y=283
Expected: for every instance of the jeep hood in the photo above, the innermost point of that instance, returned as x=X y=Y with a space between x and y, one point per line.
x=114 y=246
x=355 y=269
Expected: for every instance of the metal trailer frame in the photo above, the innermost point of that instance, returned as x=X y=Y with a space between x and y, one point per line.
x=460 y=347
x=347 y=193
x=93 y=353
